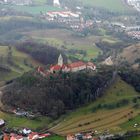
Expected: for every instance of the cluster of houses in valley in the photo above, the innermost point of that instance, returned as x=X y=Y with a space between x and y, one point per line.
x=60 y=66
x=131 y=31
x=16 y=2
x=81 y=136
x=20 y=134
x=74 y=20
x=135 y=4
x=134 y=34
x=90 y=136
x=24 y=134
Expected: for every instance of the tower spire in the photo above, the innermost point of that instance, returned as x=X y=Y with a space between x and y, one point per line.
x=60 y=60
x=56 y=3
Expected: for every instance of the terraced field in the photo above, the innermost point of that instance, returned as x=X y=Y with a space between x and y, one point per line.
x=100 y=121
x=85 y=119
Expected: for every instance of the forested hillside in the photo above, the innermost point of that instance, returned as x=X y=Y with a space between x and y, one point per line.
x=132 y=77
x=57 y=93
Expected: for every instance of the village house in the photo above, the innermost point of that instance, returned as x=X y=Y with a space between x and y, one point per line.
x=30 y=136
x=2 y=123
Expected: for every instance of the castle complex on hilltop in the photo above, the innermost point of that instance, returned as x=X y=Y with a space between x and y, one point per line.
x=73 y=67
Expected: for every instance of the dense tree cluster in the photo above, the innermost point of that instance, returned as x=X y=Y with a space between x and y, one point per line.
x=132 y=77
x=57 y=93
x=110 y=49
x=113 y=105
x=44 y=53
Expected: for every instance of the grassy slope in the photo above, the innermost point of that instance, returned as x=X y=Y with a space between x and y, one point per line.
x=18 y=58
x=57 y=38
x=130 y=124
x=112 y=5
x=134 y=138
x=13 y=121
x=102 y=119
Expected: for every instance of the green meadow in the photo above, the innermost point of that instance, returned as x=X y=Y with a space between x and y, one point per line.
x=111 y=5
x=35 y=10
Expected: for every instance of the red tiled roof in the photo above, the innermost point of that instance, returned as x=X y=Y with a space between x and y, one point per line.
x=76 y=64
x=19 y=137
x=6 y=137
x=44 y=135
x=55 y=67
x=33 y=136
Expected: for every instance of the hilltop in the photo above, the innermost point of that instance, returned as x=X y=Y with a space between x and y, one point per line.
x=33 y=92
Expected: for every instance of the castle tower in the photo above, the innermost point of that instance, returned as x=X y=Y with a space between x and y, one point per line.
x=56 y=3
x=60 y=60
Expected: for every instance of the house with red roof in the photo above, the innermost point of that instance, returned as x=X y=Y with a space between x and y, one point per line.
x=6 y=137
x=16 y=137
x=70 y=137
x=33 y=136
x=41 y=136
